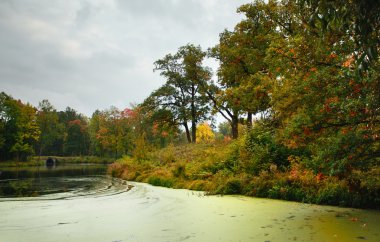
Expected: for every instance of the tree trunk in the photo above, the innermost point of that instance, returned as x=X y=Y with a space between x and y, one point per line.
x=194 y=131
x=234 y=126
x=193 y=115
x=187 y=132
x=249 y=121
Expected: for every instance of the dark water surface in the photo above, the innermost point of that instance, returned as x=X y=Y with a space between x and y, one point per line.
x=60 y=182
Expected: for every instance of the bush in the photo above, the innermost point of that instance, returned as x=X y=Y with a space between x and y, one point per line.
x=256 y=151
x=159 y=181
x=260 y=142
x=233 y=186
x=179 y=171
x=167 y=155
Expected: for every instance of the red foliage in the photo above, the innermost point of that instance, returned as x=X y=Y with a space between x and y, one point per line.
x=75 y=122
x=307 y=131
x=320 y=177
x=127 y=112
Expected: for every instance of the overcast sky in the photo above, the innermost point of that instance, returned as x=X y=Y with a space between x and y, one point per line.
x=93 y=54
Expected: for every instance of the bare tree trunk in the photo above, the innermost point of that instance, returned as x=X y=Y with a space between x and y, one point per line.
x=235 y=126
x=187 y=132
x=249 y=121
x=194 y=131
x=193 y=115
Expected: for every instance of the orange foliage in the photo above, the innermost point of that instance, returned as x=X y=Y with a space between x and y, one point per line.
x=164 y=134
x=155 y=128
x=75 y=122
x=320 y=177
x=313 y=69
x=332 y=100
x=333 y=56
x=349 y=61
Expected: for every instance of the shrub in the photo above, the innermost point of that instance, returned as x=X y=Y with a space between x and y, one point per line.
x=233 y=186
x=333 y=193
x=257 y=150
x=167 y=155
x=179 y=171
x=159 y=181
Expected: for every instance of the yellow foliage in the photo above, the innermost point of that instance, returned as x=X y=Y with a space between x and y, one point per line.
x=205 y=133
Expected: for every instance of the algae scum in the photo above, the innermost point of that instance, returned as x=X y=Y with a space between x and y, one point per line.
x=82 y=204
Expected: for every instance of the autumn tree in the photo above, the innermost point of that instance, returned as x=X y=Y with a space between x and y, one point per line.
x=241 y=87
x=318 y=99
x=96 y=147
x=224 y=129
x=169 y=105
x=111 y=132
x=205 y=134
x=181 y=94
x=52 y=132
x=76 y=137
x=19 y=123
x=360 y=19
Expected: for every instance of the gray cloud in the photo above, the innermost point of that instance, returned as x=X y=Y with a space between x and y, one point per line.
x=92 y=54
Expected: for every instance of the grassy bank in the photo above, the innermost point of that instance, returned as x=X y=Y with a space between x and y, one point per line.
x=60 y=160
x=214 y=168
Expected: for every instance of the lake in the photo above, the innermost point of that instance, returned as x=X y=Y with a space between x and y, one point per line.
x=81 y=203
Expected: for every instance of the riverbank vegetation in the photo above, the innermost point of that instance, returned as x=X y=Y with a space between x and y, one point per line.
x=297 y=84
x=232 y=168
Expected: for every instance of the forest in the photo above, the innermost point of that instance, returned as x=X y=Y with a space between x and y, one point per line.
x=298 y=85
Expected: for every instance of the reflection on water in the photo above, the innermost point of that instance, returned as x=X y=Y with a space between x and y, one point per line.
x=60 y=182
x=52 y=171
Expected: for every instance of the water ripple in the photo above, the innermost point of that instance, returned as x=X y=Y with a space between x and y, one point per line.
x=59 y=188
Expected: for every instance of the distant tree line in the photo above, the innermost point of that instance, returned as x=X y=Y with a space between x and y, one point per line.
x=26 y=130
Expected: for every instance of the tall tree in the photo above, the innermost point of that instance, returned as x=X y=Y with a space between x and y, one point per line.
x=318 y=99
x=241 y=86
x=21 y=132
x=94 y=126
x=181 y=94
x=51 y=130
x=359 y=19
x=76 y=137
x=112 y=132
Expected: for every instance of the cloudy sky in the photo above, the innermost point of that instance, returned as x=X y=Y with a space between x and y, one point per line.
x=92 y=54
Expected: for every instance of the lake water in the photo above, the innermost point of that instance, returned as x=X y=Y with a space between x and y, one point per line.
x=80 y=203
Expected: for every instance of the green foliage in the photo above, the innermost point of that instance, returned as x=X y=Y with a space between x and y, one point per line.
x=19 y=128
x=179 y=171
x=233 y=186
x=158 y=181
x=113 y=132
x=224 y=129
x=358 y=19
x=141 y=149
x=318 y=101
x=76 y=138
x=201 y=167
x=257 y=150
x=52 y=131
x=181 y=94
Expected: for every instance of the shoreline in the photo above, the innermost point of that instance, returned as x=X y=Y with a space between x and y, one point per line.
x=203 y=168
